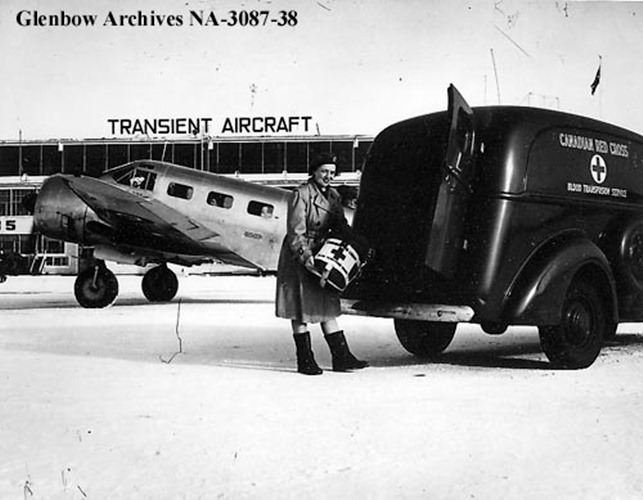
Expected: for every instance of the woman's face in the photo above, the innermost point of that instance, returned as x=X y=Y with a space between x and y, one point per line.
x=324 y=174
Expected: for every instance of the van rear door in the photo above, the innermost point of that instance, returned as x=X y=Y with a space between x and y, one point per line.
x=446 y=234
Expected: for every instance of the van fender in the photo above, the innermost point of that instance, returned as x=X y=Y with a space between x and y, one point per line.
x=536 y=296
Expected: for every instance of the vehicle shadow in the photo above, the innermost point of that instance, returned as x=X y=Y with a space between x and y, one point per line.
x=526 y=356
x=507 y=357
x=624 y=340
x=522 y=357
x=491 y=360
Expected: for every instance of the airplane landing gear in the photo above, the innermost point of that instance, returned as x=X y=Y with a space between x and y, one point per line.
x=96 y=287
x=160 y=284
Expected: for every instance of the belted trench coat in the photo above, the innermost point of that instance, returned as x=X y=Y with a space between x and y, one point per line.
x=299 y=295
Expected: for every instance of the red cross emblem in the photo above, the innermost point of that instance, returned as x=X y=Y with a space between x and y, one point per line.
x=598 y=169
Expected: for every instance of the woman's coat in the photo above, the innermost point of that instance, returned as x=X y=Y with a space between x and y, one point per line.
x=310 y=216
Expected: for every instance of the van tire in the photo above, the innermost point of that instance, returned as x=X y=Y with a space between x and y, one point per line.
x=576 y=342
x=424 y=339
x=629 y=266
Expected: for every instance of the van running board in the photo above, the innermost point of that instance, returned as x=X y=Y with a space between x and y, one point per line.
x=421 y=312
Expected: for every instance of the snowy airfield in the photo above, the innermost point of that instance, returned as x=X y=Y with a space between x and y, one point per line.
x=199 y=398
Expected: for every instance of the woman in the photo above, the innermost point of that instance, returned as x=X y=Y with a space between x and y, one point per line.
x=314 y=209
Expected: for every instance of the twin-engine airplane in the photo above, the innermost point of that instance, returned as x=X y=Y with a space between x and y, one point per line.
x=151 y=212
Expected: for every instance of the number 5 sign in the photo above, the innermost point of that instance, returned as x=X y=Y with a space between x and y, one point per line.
x=16 y=225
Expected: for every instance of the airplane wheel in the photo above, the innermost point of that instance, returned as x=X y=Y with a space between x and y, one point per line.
x=424 y=339
x=96 y=287
x=160 y=284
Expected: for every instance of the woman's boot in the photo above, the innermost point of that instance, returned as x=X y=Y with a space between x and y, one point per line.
x=306 y=363
x=343 y=359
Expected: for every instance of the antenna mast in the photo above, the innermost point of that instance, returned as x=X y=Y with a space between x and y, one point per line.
x=495 y=73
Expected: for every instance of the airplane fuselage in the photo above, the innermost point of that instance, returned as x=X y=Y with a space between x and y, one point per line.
x=159 y=212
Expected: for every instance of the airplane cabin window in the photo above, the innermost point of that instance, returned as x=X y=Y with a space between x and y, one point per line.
x=136 y=178
x=177 y=190
x=260 y=209
x=143 y=179
x=219 y=200
x=123 y=176
x=151 y=179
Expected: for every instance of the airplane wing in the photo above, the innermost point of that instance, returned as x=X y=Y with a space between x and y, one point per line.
x=136 y=217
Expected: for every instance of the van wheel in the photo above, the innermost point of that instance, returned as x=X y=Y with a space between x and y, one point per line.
x=629 y=266
x=424 y=339
x=577 y=340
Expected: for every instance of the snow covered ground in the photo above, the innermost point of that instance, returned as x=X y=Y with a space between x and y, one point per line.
x=100 y=404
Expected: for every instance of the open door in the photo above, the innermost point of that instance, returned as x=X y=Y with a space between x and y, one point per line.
x=445 y=237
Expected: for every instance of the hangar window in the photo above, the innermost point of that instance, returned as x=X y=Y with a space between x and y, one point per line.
x=9 y=156
x=57 y=261
x=73 y=159
x=273 y=157
x=5 y=202
x=260 y=209
x=18 y=195
x=117 y=154
x=343 y=152
x=96 y=159
x=177 y=190
x=184 y=154
x=140 y=151
x=297 y=157
x=31 y=160
x=49 y=245
x=51 y=160
x=228 y=162
x=219 y=200
x=251 y=158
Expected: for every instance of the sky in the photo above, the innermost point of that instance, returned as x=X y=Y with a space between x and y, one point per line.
x=353 y=66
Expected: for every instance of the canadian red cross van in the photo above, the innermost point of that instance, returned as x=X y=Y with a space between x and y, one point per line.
x=502 y=216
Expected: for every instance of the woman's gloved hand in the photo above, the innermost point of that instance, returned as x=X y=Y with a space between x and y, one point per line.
x=310 y=264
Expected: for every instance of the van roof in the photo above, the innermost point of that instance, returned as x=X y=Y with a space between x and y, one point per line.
x=536 y=119
x=506 y=136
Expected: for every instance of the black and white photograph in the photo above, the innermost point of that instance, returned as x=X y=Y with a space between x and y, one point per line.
x=321 y=249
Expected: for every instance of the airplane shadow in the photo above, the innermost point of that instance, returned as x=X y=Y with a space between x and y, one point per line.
x=125 y=302
x=136 y=301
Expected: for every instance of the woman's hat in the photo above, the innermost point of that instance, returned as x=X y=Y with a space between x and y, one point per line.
x=322 y=159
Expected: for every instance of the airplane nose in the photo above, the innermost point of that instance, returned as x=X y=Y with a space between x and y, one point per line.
x=58 y=212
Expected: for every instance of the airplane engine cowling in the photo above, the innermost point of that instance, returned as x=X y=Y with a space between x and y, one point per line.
x=59 y=213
